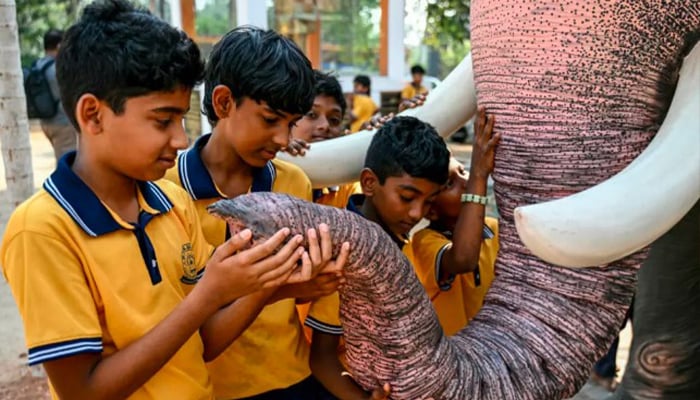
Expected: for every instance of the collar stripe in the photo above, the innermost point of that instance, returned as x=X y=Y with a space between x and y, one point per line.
x=184 y=176
x=53 y=190
x=162 y=198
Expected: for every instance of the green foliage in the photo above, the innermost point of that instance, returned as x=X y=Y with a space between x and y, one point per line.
x=448 y=31
x=216 y=18
x=353 y=32
x=35 y=17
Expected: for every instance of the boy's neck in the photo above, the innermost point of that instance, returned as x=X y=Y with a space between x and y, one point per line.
x=444 y=225
x=228 y=170
x=117 y=191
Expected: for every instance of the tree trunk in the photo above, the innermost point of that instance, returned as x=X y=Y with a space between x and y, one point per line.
x=14 y=126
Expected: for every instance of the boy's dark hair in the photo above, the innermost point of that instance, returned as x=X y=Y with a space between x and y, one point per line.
x=411 y=146
x=364 y=81
x=52 y=39
x=118 y=50
x=263 y=66
x=328 y=85
x=417 y=69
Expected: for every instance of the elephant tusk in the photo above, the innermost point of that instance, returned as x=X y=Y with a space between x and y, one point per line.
x=633 y=208
x=450 y=105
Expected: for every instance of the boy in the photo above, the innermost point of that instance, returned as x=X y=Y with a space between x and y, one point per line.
x=323 y=122
x=415 y=87
x=454 y=257
x=363 y=107
x=405 y=168
x=258 y=84
x=100 y=260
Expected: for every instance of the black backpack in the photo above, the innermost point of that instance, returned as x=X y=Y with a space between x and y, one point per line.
x=40 y=101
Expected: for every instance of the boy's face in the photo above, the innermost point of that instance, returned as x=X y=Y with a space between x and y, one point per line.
x=417 y=78
x=142 y=142
x=359 y=88
x=255 y=130
x=402 y=201
x=323 y=122
x=448 y=203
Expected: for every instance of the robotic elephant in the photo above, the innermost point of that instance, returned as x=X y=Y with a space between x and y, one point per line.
x=599 y=110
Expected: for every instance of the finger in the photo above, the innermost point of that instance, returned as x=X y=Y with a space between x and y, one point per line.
x=314 y=248
x=494 y=139
x=281 y=272
x=381 y=393
x=480 y=121
x=231 y=246
x=490 y=121
x=326 y=243
x=267 y=247
x=303 y=273
x=339 y=263
x=280 y=257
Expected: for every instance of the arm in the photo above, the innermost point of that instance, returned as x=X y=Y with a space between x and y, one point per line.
x=327 y=368
x=229 y=275
x=463 y=255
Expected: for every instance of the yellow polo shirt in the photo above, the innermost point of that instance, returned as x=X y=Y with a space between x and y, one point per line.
x=364 y=108
x=410 y=91
x=86 y=281
x=456 y=299
x=273 y=352
x=336 y=196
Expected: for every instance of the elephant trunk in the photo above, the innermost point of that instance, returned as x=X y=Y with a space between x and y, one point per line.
x=531 y=340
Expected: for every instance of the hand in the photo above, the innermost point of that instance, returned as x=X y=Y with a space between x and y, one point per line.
x=381 y=393
x=485 y=142
x=376 y=122
x=233 y=272
x=322 y=285
x=416 y=101
x=297 y=147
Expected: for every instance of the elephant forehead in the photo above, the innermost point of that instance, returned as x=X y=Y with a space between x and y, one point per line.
x=577 y=85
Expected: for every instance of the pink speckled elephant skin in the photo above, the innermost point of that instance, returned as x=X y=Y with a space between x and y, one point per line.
x=579 y=89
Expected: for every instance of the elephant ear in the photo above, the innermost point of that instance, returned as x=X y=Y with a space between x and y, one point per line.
x=633 y=208
x=448 y=107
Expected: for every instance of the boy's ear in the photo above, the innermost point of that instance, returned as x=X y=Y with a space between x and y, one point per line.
x=88 y=113
x=222 y=101
x=369 y=182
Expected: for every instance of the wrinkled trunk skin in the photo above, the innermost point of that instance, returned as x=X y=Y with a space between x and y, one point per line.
x=578 y=89
x=664 y=360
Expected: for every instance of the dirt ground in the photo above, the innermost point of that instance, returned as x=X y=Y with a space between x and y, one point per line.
x=19 y=382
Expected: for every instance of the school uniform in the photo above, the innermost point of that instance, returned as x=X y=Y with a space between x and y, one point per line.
x=272 y=353
x=87 y=281
x=456 y=298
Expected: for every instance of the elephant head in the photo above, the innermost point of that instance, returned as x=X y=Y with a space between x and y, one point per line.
x=599 y=108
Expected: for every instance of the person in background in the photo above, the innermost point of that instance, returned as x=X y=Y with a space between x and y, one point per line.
x=58 y=129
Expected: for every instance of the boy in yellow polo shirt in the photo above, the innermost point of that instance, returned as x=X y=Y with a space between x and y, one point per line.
x=100 y=260
x=323 y=122
x=258 y=84
x=406 y=166
x=454 y=257
x=363 y=107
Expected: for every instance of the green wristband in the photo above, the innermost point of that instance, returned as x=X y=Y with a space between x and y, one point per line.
x=474 y=198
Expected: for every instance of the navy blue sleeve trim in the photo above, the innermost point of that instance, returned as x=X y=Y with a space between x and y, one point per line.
x=446 y=283
x=54 y=351
x=323 y=327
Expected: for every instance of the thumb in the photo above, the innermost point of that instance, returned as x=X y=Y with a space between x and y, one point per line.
x=237 y=242
x=381 y=393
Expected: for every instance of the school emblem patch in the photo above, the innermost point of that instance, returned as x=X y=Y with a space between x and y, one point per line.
x=189 y=268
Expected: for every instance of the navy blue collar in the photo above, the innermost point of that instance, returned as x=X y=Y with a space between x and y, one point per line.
x=197 y=182
x=486 y=232
x=84 y=207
